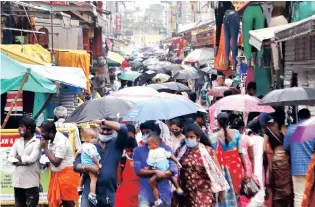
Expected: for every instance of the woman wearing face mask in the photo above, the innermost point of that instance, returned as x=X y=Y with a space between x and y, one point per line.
x=227 y=144
x=200 y=176
x=127 y=180
x=177 y=134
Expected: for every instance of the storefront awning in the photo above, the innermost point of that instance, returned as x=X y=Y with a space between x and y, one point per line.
x=197 y=25
x=283 y=32
x=67 y=75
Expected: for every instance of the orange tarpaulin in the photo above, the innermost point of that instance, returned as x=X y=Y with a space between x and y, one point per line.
x=75 y=58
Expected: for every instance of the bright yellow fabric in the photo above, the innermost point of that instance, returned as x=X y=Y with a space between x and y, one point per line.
x=29 y=54
x=75 y=58
x=115 y=57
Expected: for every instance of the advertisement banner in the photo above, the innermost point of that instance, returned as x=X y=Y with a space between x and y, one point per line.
x=8 y=137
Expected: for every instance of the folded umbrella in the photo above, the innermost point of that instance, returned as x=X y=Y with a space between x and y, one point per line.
x=100 y=108
x=186 y=75
x=290 y=97
x=242 y=103
x=304 y=131
x=160 y=108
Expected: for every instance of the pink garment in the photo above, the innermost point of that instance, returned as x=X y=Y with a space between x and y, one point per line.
x=212 y=119
x=244 y=145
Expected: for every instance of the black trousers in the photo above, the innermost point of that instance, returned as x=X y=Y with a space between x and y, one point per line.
x=28 y=197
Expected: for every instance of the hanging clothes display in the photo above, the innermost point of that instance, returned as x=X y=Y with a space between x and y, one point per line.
x=18 y=108
x=231 y=32
x=253 y=19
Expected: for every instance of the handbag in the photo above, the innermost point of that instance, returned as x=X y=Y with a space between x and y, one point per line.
x=250 y=187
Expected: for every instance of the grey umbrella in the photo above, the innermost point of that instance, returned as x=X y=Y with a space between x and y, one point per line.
x=209 y=70
x=100 y=108
x=159 y=87
x=174 y=67
x=186 y=75
x=290 y=97
x=174 y=86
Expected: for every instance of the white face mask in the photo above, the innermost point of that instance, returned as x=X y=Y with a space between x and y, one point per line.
x=105 y=138
x=145 y=138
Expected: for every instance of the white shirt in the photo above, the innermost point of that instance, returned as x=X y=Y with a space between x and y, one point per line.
x=77 y=141
x=26 y=176
x=89 y=149
x=61 y=148
x=158 y=154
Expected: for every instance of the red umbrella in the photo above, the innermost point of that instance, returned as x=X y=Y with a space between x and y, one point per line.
x=242 y=103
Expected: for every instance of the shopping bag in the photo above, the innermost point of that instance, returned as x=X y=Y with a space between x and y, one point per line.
x=250 y=187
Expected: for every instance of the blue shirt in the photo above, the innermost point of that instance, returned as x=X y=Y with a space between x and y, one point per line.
x=106 y=180
x=301 y=152
x=140 y=157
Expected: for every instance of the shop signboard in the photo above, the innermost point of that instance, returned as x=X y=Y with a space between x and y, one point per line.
x=8 y=137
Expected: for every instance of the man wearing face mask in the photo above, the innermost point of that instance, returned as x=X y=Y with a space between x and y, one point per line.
x=110 y=147
x=25 y=154
x=64 y=181
x=140 y=157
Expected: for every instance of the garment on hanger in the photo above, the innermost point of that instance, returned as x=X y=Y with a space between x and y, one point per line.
x=231 y=32
x=219 y=14
x=253 y=19
x=267 y=10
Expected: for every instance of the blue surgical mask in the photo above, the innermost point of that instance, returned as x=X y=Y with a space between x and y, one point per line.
x=105 y=138
x=145 y=138
x=191 y=143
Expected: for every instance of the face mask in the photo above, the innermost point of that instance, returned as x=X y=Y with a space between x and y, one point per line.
x=191 y=143
x=105 y=138
x=145 y=138
x=177 y=133
x=22 y=132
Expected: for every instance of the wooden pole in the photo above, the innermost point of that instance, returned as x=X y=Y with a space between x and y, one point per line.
x=14 y=102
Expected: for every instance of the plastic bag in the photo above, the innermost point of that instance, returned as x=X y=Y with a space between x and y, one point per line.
x=250 y=187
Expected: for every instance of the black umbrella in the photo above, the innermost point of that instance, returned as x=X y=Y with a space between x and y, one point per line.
x=290 y=97
x=173 y=67
x=100 y=108
x=186 y=75
x=147 y=75
x=175 y=86
x=157 y=68
x=159 y=87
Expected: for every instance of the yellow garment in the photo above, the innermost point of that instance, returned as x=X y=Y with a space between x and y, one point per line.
x=75 y=58
x=29 y=54
x=97 y=95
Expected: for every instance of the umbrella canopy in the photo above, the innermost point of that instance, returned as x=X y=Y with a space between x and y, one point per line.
x=150 y=61
x=157 y=68
x=162 y=77
x=100 y=108
x=159 y=87
x=200 y=55
x=189 y=68
x=174 y=67
x=304 y=131
x=219 y=91
x=147 y=75
x=160 y=108
x=186 y=75
x=116 y=58
x=209 y=70
x=290 y=96
x=175 y=86
x=242 y=103
x=12 y=75
x=129 y=75
x=136 y=93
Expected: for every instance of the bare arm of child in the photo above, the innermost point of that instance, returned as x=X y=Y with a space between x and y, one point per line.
x=97 y=163
x=176 y=161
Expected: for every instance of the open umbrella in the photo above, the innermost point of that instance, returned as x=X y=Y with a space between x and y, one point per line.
x=186 y=75
x=147 y=75
x=175 y=86
x=159 y=87
x=116 y=59
x=129 y=75
x=209 y=70
x=242 y=103
x=160 y=108
x=174 y=67
x=290 y=97
x=304 y=131
x=162 y=77
x=100 y=108
x=135 y=93
x=150 y=61
x=219 y=91
x=157 y=68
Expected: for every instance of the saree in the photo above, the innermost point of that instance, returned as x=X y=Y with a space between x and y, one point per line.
x=281 y=179
x=309 y=193
x=63 y=187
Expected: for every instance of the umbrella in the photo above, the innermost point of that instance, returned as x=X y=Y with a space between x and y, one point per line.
x=116 y=58
x=150 y=61
x=157 y=68
x=129 y=75
x=290 y=96
x=242 y=103
x=162 y=77
x=147 y=75
x=209 y=70
x=175 y=86
x=174 y=67
x=219 y=91
x=160 y=108
x=200 y=55
x=304 y=131
x=100 y=108
x=159 y=87
x=189 y=68
x=186 y=75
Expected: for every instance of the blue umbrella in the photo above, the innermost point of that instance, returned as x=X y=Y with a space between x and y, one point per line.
x=160 y=108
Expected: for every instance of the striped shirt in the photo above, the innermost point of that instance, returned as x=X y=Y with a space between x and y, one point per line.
x=301 y=152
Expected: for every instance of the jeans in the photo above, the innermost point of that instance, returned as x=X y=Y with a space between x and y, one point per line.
x=298 y=188
x=101 y=202
x=26 y=197
x=145 y=203
x=231 y=31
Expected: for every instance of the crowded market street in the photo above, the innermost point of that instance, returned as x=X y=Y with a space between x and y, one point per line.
x=157 y=104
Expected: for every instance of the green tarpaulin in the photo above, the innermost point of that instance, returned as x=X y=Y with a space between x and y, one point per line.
x=12 y=75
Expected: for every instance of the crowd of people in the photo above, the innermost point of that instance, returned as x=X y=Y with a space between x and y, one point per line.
x=176 y=162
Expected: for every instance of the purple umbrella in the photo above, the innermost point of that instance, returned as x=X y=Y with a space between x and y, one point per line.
x=305 y=131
